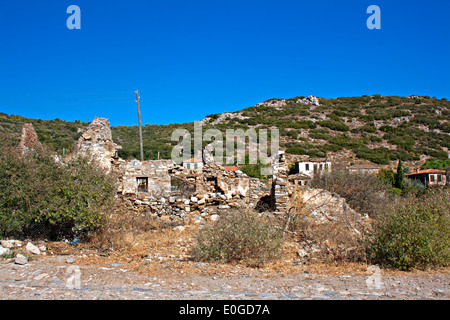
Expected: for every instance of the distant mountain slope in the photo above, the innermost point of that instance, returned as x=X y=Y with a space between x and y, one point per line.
x=376 y=128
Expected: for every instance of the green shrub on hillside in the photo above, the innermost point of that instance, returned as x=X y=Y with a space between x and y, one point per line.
x=334 y=125
x=43 y=198
x=413 y=234
x=436 y=164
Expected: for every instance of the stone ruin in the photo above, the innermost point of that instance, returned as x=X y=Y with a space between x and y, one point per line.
x=97 y=141
x=166 y=188
x=170 y=191
x=280 y=103
x=29 y=139
x=177 y=194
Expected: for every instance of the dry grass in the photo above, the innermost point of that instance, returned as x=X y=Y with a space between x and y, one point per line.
x=144 y=245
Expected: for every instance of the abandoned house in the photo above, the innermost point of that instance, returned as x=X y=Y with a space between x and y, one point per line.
x=313 y=166
x=150 y=181
x=364 y=169
x=429 y=177
x=299 y=179
x=193 y=164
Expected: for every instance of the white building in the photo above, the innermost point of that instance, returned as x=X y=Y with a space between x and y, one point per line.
x=313 y=166
x=193 y=164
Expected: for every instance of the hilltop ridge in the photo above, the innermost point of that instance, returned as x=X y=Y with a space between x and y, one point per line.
x=376 y=128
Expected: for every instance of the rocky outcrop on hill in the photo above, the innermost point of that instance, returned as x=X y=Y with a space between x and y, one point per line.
x=29 y=139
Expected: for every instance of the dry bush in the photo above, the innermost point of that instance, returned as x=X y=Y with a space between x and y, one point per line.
x=327 y=241
x=122 y=226
x=239 y=237
x=365 y=193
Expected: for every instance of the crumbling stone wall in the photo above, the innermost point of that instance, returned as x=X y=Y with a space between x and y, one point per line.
x=29 y=139
x=96 y=141
x=166 y=188
x=156 y=172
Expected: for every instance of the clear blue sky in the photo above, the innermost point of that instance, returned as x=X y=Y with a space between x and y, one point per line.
x=193 y=58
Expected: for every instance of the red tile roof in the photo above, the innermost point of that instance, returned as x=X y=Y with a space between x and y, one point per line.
x=191 y=160
x=231 y=168
x=427 y=171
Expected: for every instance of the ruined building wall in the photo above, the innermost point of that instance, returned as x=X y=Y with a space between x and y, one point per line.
x=97 y=142
x=154 y=172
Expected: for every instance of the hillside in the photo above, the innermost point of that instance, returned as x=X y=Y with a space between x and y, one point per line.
x=374 y=128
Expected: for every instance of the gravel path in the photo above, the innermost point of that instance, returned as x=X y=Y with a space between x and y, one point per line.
x=53 y=278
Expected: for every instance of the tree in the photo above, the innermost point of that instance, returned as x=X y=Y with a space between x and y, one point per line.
x=399 y=176
x=388 y=176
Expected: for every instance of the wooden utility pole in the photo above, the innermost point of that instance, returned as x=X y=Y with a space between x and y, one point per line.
x=140 y=126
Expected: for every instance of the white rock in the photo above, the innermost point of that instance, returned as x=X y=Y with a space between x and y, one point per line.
x=202 y=201
x=179 y=228
x=214 y=217
x=70 y=260
x=21 y=259
x=7 y=243
x=4 y=251
x=32 y=248
x=194 y=199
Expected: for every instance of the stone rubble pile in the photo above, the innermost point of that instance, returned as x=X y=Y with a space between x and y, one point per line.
x=309 y=100
x=195 y=196
x=9 y=250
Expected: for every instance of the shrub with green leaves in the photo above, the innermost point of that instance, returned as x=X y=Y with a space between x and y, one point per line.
x=334 y=125
x=240 y=237
x=45 y=198
x=414 y=233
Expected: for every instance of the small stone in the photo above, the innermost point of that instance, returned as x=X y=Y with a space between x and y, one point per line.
x=194 y=199
x=214 y=217
x=165 y=219
x=179 y=228
x=21 y=259
x=197 y=219
x=70 y=260
x=41 y=276
x=4 y=251
x=32 y=248
x=7 y=243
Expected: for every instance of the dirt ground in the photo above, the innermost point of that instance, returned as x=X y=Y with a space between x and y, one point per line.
x=157 y=265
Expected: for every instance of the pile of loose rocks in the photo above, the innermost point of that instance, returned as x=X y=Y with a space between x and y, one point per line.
x=200 y=194
x=16 y=251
